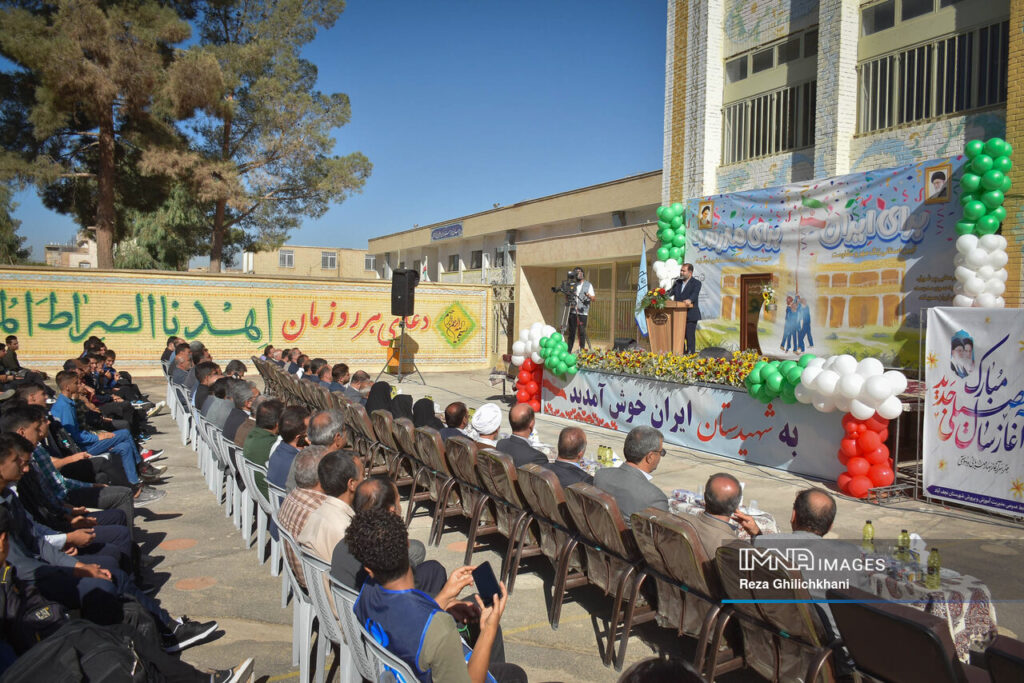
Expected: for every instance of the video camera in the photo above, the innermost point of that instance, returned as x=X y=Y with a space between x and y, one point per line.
x=568 y=286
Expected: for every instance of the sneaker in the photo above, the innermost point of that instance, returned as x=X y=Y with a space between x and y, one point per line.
x=151 y=469
x=242 y=672
x=149 y=455
x=142 y=404
x=187 y=633
x=151 y=479
x=148 y=494
x=155 y=410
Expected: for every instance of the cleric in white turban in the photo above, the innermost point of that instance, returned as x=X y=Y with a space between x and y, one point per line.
x=487 y=423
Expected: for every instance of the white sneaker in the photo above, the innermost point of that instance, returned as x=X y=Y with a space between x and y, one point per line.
x=155 y=410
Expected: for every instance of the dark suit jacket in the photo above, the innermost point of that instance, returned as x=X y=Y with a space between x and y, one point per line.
x=293 y=368
x=449 y=432
x=521 y=451
x=202 y=391
x=690 y=290
x=178 y=375
x=235 y=420
x=569 y=474
x=631 y=490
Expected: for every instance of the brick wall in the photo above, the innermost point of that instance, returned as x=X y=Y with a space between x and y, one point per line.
x=1013 y=226
x=748 y=24
x=675 y=101
x=779 y=169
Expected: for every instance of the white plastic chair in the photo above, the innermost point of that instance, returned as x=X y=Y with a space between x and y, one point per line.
x=263 y=512
x=317 y=576
x=302 y=615
x=344 y=601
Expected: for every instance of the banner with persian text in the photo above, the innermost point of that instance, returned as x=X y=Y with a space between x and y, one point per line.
x=974 y=407
x=852 y=261
x=52 y=311
x=715 y=420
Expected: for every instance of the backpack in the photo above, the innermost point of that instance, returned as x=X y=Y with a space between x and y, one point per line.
x=80 y=651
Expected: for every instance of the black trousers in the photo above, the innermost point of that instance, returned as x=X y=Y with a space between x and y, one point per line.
x=691 y=336
x=98 y=470
x=106 y=498
x=577 y=326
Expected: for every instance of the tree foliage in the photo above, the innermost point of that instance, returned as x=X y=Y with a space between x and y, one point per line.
x=12 y=249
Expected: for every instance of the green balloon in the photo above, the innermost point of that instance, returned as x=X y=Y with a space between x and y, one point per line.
x=1007 y=149
x=787 y=395
x=755 y=376
x=663 y=253
x=677 y=209
x=1002 y=164
x=676 y=253
x=544 y=341
x=805 y=359
x=664 y=225
x=663 y=211
x=987 y=225
x=969 y=182
x=679 y=240
x=1007 y=184
x=573 y=359
x=968 y=197
x=992 y=199
x=793 y=376
x=974 y=148
x=981 y=164
x=677 y=222
x=560 y=368
x=995 y=147
x=787 y=365
x=572 y=370
x=774 y=382
x=974 y=210
x=755 y=389
x=999 y=212
x=992 y=180
x=667 y=235
x=965 y=227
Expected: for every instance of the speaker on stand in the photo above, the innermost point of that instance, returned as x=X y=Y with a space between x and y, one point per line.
x=403 y=304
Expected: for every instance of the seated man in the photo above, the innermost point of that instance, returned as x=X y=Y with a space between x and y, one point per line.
x=572 y=444
x=315 y=366
x=13 y=367
x=218 y=404
x=292 y=428
x=486 y=423
x=236 y=369
x=380 y=493
x=302 y=501
x=339 y=474
x=263 y=436
x=182 y=364
x=358 y=386
x=167 y=357
x=207 y=373
x=242 y=394
x=340 y=377
x=323 y=376
x=630 y=484
x=721 y=520
x=521 y=419
x=456 y=420
x=414 y=626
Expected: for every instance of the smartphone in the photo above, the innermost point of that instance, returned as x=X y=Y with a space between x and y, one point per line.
x=486 y=583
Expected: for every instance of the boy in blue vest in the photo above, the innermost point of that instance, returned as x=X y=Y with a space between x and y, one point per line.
x=410 y=623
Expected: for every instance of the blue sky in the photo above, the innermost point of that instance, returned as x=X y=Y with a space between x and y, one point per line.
x=460 y=104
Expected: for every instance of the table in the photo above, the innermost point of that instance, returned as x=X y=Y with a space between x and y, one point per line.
x=683 y=502
x=963 y=601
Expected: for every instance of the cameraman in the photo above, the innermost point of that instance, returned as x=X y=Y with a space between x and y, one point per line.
x=580 y=310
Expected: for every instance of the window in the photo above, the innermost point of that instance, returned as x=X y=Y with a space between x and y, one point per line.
x=499 y=258
x=878 y=17
x=736 y=69
x=84 y=264
x=286 y=258
x=370 y=262
x=416 y=265
x=770 y=123
x=453 y=263
x=765 y=59
x=949 y=75
x=789 y=51
x=915 y=8
x=811 y=43
x=476 y=260
x=329 y=260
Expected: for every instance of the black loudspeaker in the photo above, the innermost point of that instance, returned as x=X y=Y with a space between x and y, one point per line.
x=625 y=344
x=403 y=291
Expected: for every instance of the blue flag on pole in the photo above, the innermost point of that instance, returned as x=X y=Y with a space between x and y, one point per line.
x=641 y=289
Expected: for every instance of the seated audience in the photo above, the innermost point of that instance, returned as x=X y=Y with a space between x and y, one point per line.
x=379 y=398
x=630 y=484
x=522 y=421
x=456 y=420
x=568 y=467
x=358 y=387
x=218 y=405
x=292 y=428
x=401 y=407
x=242 y=394
x=486 y=424
x=12 y=366
x=302 y=501
x=423 y=415
x=315 y=366
x=721 y=519
x=339 y=473
x=339 y=378
x=263 y=436
x=182 y=364
x=167 y=357
x=236 y=369
x=207 y=373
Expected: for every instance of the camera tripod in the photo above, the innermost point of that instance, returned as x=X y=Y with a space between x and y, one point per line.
x=401 y=358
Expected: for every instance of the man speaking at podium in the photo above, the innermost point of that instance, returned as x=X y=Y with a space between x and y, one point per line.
x=686 y=289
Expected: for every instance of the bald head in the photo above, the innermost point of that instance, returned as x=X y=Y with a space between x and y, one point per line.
x=722 y=494
x=456 y=415
x=520 y=418
x=814 y=510
x=572 y=443
x=376 y=493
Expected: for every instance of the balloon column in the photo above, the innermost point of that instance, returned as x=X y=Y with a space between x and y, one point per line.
x=527 y=357
x=861 y=389
x=672 y=248
x=865 y=455
x=979 y=263
x=555 y=353
x=769 y=380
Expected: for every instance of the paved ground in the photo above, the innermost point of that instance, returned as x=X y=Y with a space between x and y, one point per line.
x=208 y=572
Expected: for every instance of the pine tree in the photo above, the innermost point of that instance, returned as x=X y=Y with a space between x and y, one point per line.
x=12 y=248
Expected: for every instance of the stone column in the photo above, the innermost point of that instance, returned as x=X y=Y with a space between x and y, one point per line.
x=836 y=119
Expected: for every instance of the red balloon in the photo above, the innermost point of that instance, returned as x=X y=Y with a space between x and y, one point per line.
x=843 y=481
x=850 y=423
x=867 y=442
x=535 y=404
x=881 y=475
x=525 y=375
x=858 y=487
x=884 y=435
x=538 y=374
x=857 y=466
x=522 y=396
x=848 y=447
x=843 y=457
x=876 y=423
x=878 y=456
x=529 y=365
x=533 y=388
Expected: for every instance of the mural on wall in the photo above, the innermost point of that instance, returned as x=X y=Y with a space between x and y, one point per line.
x=53 y=312
x=852 y=260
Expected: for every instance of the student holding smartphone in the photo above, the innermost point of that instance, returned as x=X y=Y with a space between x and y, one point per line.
x=416 y=627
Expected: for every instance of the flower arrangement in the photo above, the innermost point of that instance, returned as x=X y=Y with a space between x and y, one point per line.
x=655 y=298
x=672 y=367
x=768 y=294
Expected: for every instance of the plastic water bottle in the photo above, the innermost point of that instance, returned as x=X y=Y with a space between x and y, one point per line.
x=867 y=538
x=933 y=579
x=903 y=546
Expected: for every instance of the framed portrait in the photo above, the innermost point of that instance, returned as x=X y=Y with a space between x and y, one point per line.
x=937 y=183
x=705 y=215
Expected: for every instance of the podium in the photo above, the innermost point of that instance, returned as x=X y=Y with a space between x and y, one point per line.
x=666 y=327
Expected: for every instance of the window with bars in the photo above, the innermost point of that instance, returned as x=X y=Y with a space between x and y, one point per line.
x=945 y=76
x=476 y=260
x=370 y=262
x=453 y=263
x=769 y=123
x=286 y=258
x=329 y=260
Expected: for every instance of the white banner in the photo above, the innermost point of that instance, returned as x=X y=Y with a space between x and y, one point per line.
x=974 y=407
x=721 y=421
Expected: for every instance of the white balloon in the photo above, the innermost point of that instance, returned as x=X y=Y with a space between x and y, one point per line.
x=976 y=258
x=518 y=360
x=850 y=384
x=824 y=404
x=897 y=382
x=891 y=408
x=963 y=273
x=802 y=393
x=869 y=367
x=842 y=403
x=1001 y=275
x=1000 y=302
x=524 y=335
x=986 y=272
x=958 y=288
x=877 y=389
x=974 y=286
x=985 y=300
x=997 y=259
x=535 y=357
x=963 y=301
x=861 y=410
x=547 y=331
x=666 y=283
x=672 y=263
x=845 y=364
x=518 y=348
x=995 y=287
x=1002 y=242
x=816 y=362
x=987 y=242
x=965 y=244
x=825 y=383
x=536 y=329
x=959 y=260
x=808 y=376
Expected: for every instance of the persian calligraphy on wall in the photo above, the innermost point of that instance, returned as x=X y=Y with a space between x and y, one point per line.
x=53 y=311
x=974 y=407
